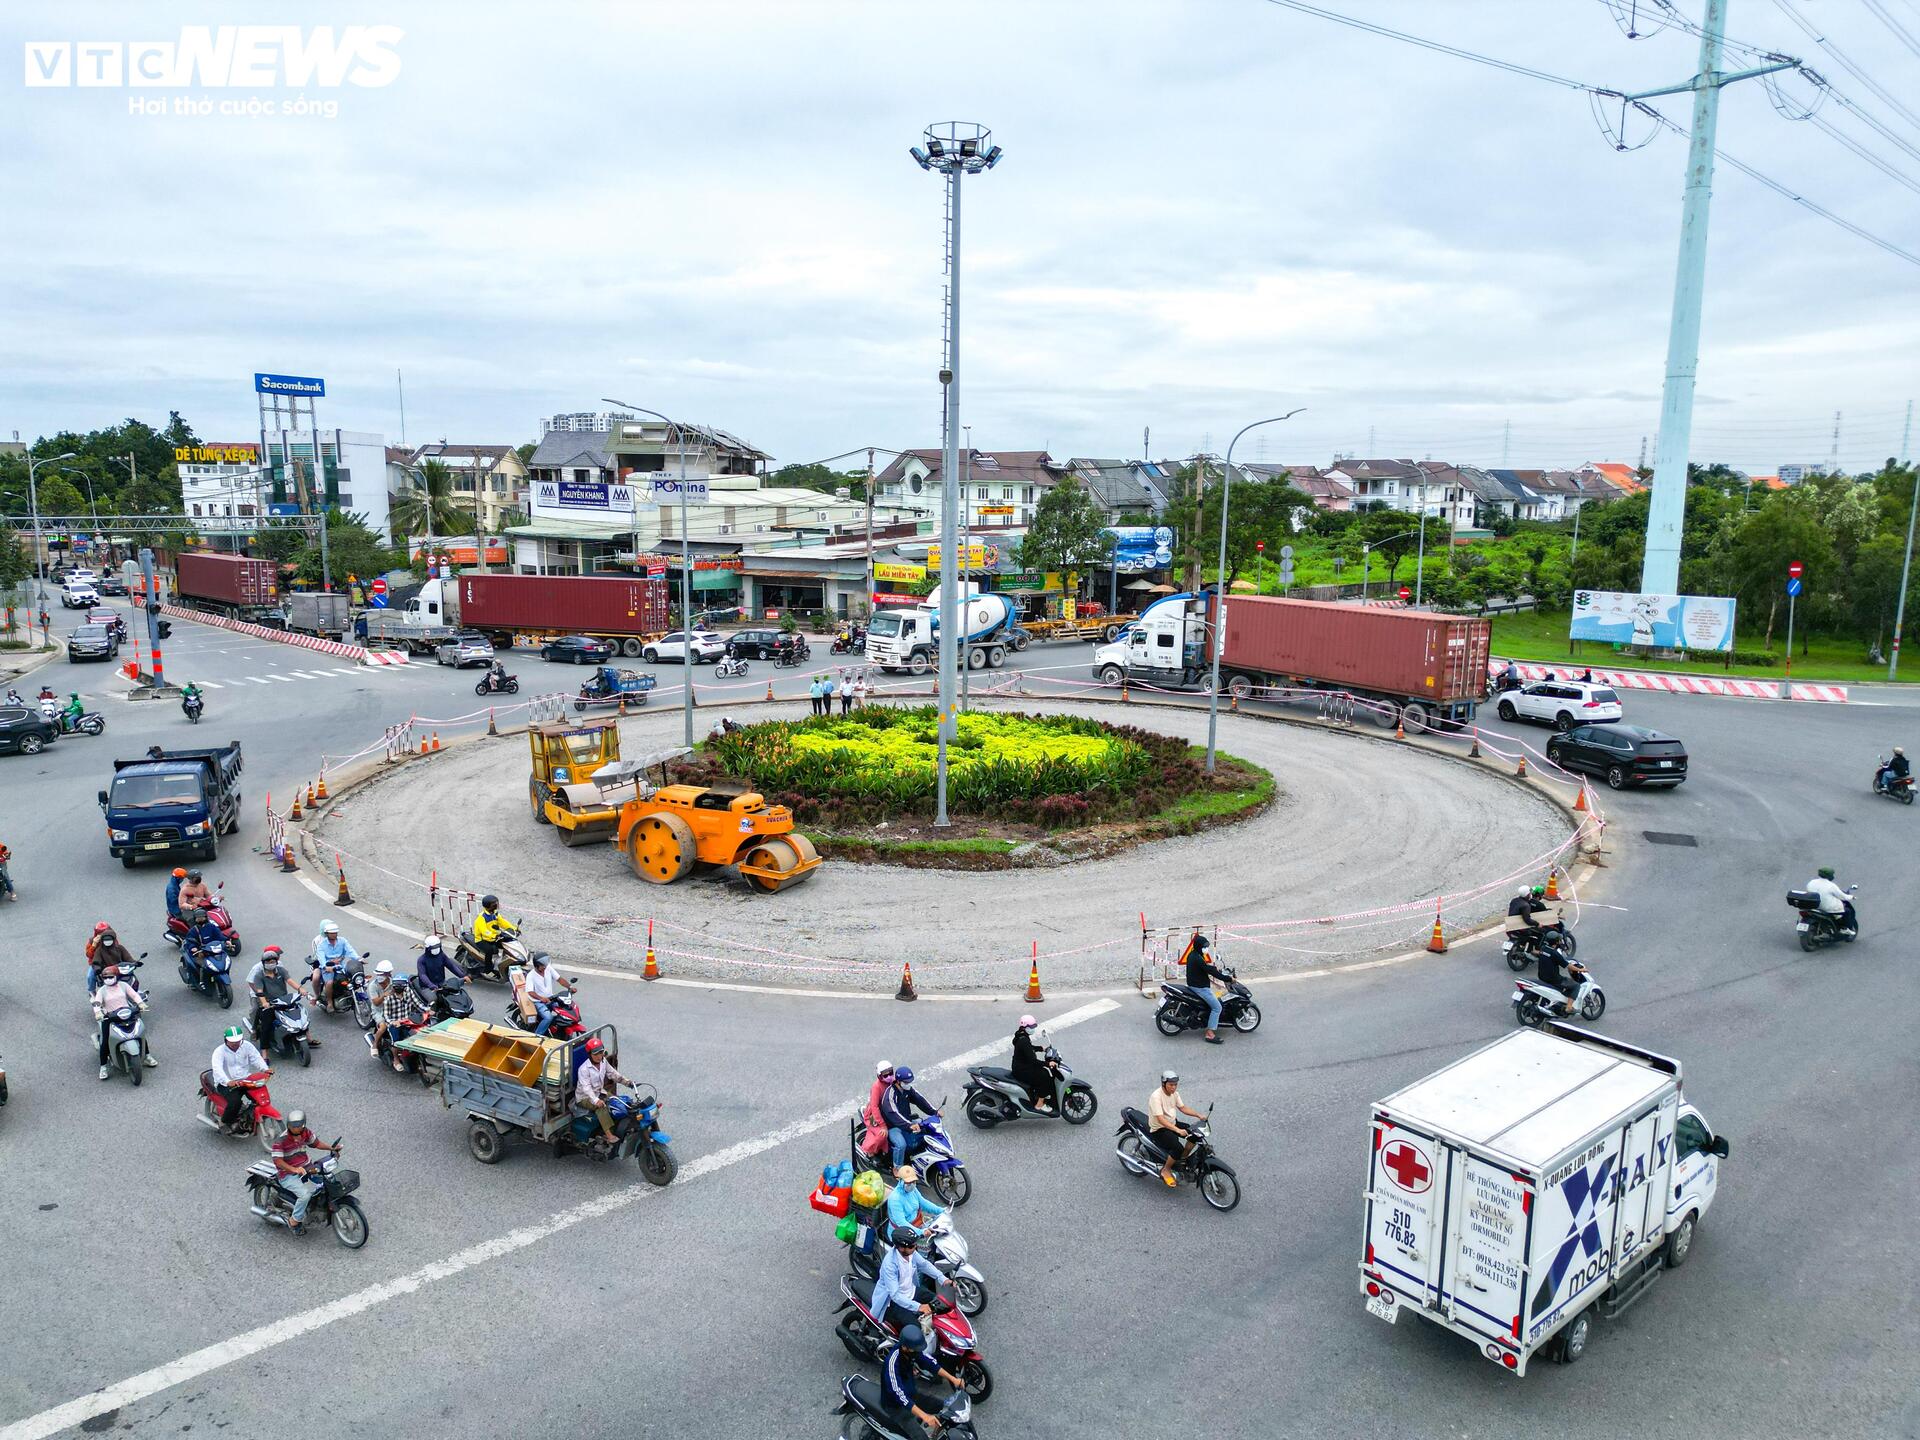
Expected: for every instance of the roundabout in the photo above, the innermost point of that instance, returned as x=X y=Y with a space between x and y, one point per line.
x=1362 y=837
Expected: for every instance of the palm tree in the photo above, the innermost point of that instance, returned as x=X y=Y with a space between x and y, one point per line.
x=429 y=508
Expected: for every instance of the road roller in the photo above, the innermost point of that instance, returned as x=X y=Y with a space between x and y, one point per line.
x=666 y=830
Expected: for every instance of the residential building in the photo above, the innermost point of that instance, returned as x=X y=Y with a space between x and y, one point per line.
x=1323 y=487
x=994 y=478
x=1512 y=493
x=1128 y=492
x=223 y=488
x=350 y=473
x=1621 y=478
x=582 y=421
x=578 y=513
x=1431 y=487
x=488 y=480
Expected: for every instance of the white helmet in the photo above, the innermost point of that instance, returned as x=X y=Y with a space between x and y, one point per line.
x=430 y=944
x=1169 y=1076
x=1524 y=891
x=329 y=928
x=885 y=1067
x=385 y=967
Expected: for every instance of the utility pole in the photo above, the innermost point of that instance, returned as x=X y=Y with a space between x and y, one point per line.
x=966 y=557
x=1660 y=569
x=1833 y=455
x=1906 y=566
x=868 y=603
x=1506 y=443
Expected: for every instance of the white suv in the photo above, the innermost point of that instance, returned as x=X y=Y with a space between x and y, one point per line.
x=707 y=647
x=78 y=594
x=1562 y=704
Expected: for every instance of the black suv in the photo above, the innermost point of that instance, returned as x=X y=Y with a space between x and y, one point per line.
x=92 y=642
x=764 y=644
x=27 y=731
x=1625 y=754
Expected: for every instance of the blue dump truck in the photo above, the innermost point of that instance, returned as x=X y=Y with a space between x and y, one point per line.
x=170 y=801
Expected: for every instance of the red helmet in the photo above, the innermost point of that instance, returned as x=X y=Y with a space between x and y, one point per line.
x=100 y=925
x=594 y=1047
x=179 y=872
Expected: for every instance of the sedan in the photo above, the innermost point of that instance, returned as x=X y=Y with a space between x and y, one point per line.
x=1625 y=754
x=707 y=647
x=110 y=584
x=579 y=650
x=112 y=619
x=464 y=651
x=92 y=642
x=1562 y=704
x=27 y=731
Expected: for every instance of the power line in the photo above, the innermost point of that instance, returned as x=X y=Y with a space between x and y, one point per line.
x=1905 y=37
x=1438 y=47
x=1812 y=32
x=1886 y=168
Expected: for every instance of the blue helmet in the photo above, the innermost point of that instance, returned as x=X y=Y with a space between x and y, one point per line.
x=903 y=1075
x=911 y=1339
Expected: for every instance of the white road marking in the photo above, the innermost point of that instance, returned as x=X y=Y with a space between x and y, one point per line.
x=209 y=684
x=264 y=1337
x=257 y=680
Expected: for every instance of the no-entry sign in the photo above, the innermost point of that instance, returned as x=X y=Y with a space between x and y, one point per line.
x=1405 y=593
x=1796 y=569
x=378 y=587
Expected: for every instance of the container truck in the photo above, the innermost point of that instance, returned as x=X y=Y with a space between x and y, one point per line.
x=235 y=585
x=1541 y=1183
x=629 y=610
x=910 y=639
x=419 y=626
x=1418 y=667
x=176 y=801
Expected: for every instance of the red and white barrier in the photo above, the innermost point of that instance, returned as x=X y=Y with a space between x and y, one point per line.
x=383 y=657
x=1743 y=688
x=266 y=632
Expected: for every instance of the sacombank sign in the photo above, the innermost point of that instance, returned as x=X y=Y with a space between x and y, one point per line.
x=223 y=57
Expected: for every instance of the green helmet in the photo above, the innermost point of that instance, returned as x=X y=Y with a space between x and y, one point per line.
x=1826 y=872
x=1539 y=889
x=233 y=1032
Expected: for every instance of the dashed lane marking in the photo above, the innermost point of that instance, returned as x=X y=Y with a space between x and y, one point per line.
x=252 y=1342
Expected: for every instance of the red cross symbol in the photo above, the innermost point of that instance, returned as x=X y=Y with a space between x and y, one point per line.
x=1408 y=1166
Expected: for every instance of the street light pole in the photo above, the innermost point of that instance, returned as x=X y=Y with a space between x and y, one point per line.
x=955 y=148
x=33 y=505
x=1420 y=560
x=686 y=563
x=966 y=555
x=1220 y=582
x=1906 y=568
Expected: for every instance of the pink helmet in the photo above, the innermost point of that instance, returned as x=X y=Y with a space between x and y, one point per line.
x=1027 y=1022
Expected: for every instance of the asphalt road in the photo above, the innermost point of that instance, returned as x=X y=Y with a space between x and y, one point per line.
x=558 y=1297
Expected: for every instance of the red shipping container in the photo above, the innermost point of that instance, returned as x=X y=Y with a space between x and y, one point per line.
x=589 y=604
x=1420 y=654
x=226 y=579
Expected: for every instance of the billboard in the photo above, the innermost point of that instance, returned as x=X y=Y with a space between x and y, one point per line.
x=1139 y=548
x=288 y=384
x=1665 y=622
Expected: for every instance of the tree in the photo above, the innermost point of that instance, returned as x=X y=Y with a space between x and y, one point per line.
x=819 y=477
x=525 y=452
x=1257 y=510
x=1066 y=532
x=430 y=506
x=1771 y=537
x=352 y=549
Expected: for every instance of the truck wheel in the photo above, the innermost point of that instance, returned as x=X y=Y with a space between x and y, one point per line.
x=128 y=861
x=1573 y=1339
x=633 y=649
x=1385 y=714
x=918 y=664
x=1415 y=718
x=1239 y=687
x=976 y=659
x=1111 y=674
x=997 y=656
x=1680 y=1242
x=484 y=1142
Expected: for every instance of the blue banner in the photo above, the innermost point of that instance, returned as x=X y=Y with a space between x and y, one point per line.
x=289 y=384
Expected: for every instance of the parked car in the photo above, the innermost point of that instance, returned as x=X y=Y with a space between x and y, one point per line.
x=707 y=648
x=112 y=619
x=579 y=650
x=464 y=650
x=110 y=584
x=75 y=595
x=1625 y=754
x=1562 y=704
x=761 y=644
x=25 y=730
x=92 y=642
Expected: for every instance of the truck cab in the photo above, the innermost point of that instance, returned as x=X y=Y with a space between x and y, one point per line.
x=1165 y=646
x=910 y=639
x=180 y=801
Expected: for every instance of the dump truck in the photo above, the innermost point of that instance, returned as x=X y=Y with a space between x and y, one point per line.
x=238 y=586
x=1543 y=1182
x=1417 y=668
x=174 y=802
x=910 y=639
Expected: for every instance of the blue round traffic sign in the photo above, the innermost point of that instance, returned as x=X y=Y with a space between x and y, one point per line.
x=1793 y=585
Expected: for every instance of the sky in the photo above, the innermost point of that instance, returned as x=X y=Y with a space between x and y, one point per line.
x=1209 y=212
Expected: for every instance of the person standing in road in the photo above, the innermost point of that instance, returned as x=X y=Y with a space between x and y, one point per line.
x=846 y=692
x=6 y=880
x=813 y=694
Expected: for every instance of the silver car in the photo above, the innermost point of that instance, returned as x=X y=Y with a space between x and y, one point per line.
x=465 y=650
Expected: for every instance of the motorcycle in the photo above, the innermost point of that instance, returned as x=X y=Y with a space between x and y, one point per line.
x=191 y=706
x=257 y=1116
x=127 y=1040
x=1527 y=937
x=848 y=643
x=955 y=1345
x=866 y=1402
x=565 y=1006
x=209 y=971
x=89 y=722
x=730 y=666
x=449 y=1001
x=405 y=1062
x=1142 y=1155
x=637 y=1133
x=492 y=684
x=350 y=980
x=332 y=1204
x=287 y=1028
x=1816 y=927
x=1535 y=1003
x=994 y=1096
x=930 y=1151
x=1180 y=1009
x=946 y=1248
x=216 y=911
x=512 y=951
x=1900 y=789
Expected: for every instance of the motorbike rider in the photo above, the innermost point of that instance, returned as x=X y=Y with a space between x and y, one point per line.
x=1031 y=1068
x=115 y=994
x=1200 y=977
x=1558 y=971
x=907 y=1206
x=873 y=1132
x=900 y=1377
x=1164 y=1109
x=200 y=938
x=397 y=1010
x=907 y=1281
x=174 y=884
x=540 y=985
x=71 y=712
x=898 y=1102
x=490 y=930
x=104 y=949
x=235 y=1059
x=435 y=965
x=48 y=701
x=497 y=675
x=1834 y=900
x=594 y=1083
x=1895 y=769
x=294 y=1170
x=333 y=960
x=268 y=982
x=194 y=894
x=1510 y=677
x=1527 y=902
x=190 y=696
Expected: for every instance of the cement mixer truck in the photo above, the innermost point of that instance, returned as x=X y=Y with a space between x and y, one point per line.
x=910 y=639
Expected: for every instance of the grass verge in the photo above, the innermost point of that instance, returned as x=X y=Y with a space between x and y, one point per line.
x=1541 y=636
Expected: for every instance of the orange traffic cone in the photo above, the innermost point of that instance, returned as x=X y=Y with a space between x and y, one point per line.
x=623 y=707
x=294 y=814
x=652 y=972
x=287 y=867
x=1233 y=703
x=1474 y=753
x=309 y=794
x=1034 y=997
x=1553 y=884
x=423 y=744
x=906 y=990
x=1437 y=942
x=1123 y=688
x=769 y=689
x=436 y=740
x=1522 y=770
x=492 y=729
x=1399 y=731
x=344 y=898
x=322 y=791
x=1580 y=800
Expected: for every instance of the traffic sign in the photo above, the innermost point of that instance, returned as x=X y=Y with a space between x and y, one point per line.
x=1260 y=547
x=1286 y=552
x=1405 y=593
x=378 y=587
x=1793 y=586
x=1796 y=570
